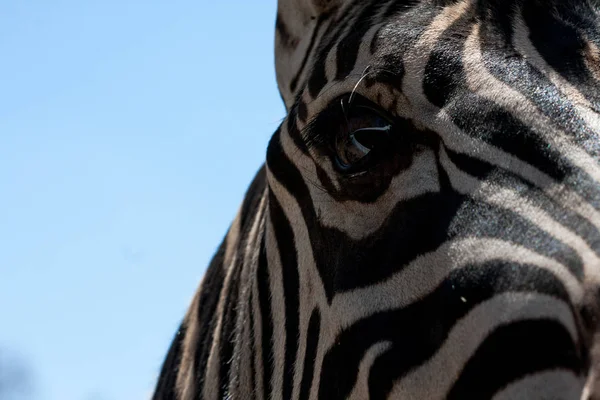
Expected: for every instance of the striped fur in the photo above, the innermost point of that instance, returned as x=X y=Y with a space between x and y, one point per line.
x=464 y=262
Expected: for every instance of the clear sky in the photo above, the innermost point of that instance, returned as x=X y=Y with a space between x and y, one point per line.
x=129 y=131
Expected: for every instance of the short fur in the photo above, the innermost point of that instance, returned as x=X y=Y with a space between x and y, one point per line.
x=461 y=259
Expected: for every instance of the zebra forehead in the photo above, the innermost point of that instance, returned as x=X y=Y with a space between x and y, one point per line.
x=317 y=48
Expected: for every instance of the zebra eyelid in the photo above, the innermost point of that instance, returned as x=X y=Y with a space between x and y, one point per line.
x=386 y=128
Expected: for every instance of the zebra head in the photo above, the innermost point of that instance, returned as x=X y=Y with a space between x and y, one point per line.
x=427 y=223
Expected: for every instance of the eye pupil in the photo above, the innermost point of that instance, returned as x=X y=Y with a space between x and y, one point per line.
x=366 y=138
x=364 y=131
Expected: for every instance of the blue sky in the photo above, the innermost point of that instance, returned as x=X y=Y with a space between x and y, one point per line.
x=129 y=131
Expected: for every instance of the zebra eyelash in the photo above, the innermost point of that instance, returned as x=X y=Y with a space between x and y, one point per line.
x=316 y=133
x=321 y=130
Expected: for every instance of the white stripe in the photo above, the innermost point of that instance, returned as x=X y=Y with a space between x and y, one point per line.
x=556 y=384
x=423 y=275
x=211 y=378
x=486 y=85
x=240 y=378
x=509 y=200
x=259 y=368
x=361 y=387
x=231 y=240
x=524 y=46
x=456 y=140
x=277 y=310
x=435 y=378
x=312 y=292
x=359 y=220
x=415 y=60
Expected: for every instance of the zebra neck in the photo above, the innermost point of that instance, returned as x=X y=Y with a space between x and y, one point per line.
x=240 y=304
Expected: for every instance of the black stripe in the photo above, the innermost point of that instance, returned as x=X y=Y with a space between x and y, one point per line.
x=444 y=85
x=207 y=318
x=302 y=109
x=514 y=351
x=560 y=44
x=418 y=330
x=264 y=298
x=312 y=342
x=292 y=127
x=504 y=131
x=253 y=348
x=397 y=7
x=420 y=224
x=318 y=77
x=444 y=74
x=252 y=199
x=533 y=195
x=228 y=328
x=287 y=39
x=291 y=287
x=213 y=283
x=291 y=178
x=409 y=19
x=347 y=50
x=165 y=387
x=313 y=39
x=517 y=73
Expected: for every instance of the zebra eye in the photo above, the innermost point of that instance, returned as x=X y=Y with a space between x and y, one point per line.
x=362 y=135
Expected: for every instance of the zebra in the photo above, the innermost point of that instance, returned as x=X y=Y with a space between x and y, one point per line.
x=427 y=221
